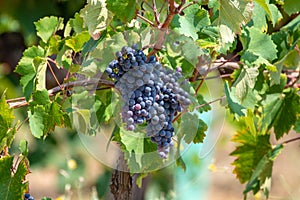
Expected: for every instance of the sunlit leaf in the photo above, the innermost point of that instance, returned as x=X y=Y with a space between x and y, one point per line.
x=47 y=26
x=13 y=185
x=95 y=17
x=253 y=145
x=7 y=129
x=27 y=69
x=263 y=172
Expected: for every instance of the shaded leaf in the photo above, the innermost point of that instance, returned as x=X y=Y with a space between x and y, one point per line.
x=201 y=102
x=280 y=111
x=291 y=6
x=245 y=81
x=297 y=125
x=192 y=128
x=233 y=104
x=123 y=9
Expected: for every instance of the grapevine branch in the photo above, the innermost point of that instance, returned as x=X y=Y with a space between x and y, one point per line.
x=290 y=140
x=21 y=101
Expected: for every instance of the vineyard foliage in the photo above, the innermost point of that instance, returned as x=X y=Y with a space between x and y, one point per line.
x=261 y=87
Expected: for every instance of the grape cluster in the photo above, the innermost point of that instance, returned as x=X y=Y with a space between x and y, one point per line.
x=151 y=95
x=27 y=196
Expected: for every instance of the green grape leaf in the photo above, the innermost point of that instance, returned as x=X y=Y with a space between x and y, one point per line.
x=192 y=128
x=291 y=6
x=276 y=15
x=76 y=43
x=280 y=111
x=204 y=106
x=297 y=125
x=47 y=26
x=13 y=184
x=253 y=146
x=23 y=147
x=40 y=97
x=200 y=135
x=36 y=120
x=123 y=9
x=95 y=17
x=134 y=143
x=92 y=44
x=256 y=42
x=265 y=5
x=40 y=68
x=259 y=18
x=184 y=46
x=262 y=173
x=7 y=130
x=55 y=117
x=193 y=20
x=77 y=23
x=44 y=114
x=232 y=14
x=27 y=69
x=245 y=82
x=180 y=162
x=233 y=104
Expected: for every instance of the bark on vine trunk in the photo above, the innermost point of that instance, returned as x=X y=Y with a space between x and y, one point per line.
x=123 y=184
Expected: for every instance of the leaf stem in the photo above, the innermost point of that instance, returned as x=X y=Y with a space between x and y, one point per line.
x=208 y=103
x=20 y=125
x=291 y=140
x=52 y=72
x=146 y=20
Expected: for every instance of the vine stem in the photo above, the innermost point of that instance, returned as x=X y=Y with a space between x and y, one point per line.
x=146 y=20
x=290 y=140
x=51 y=70
x=200 y=106
x=21 y=101
x=173 y=10
x=210 y=102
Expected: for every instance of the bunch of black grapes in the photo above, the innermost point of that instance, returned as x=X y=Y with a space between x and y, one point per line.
x=151 y=94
